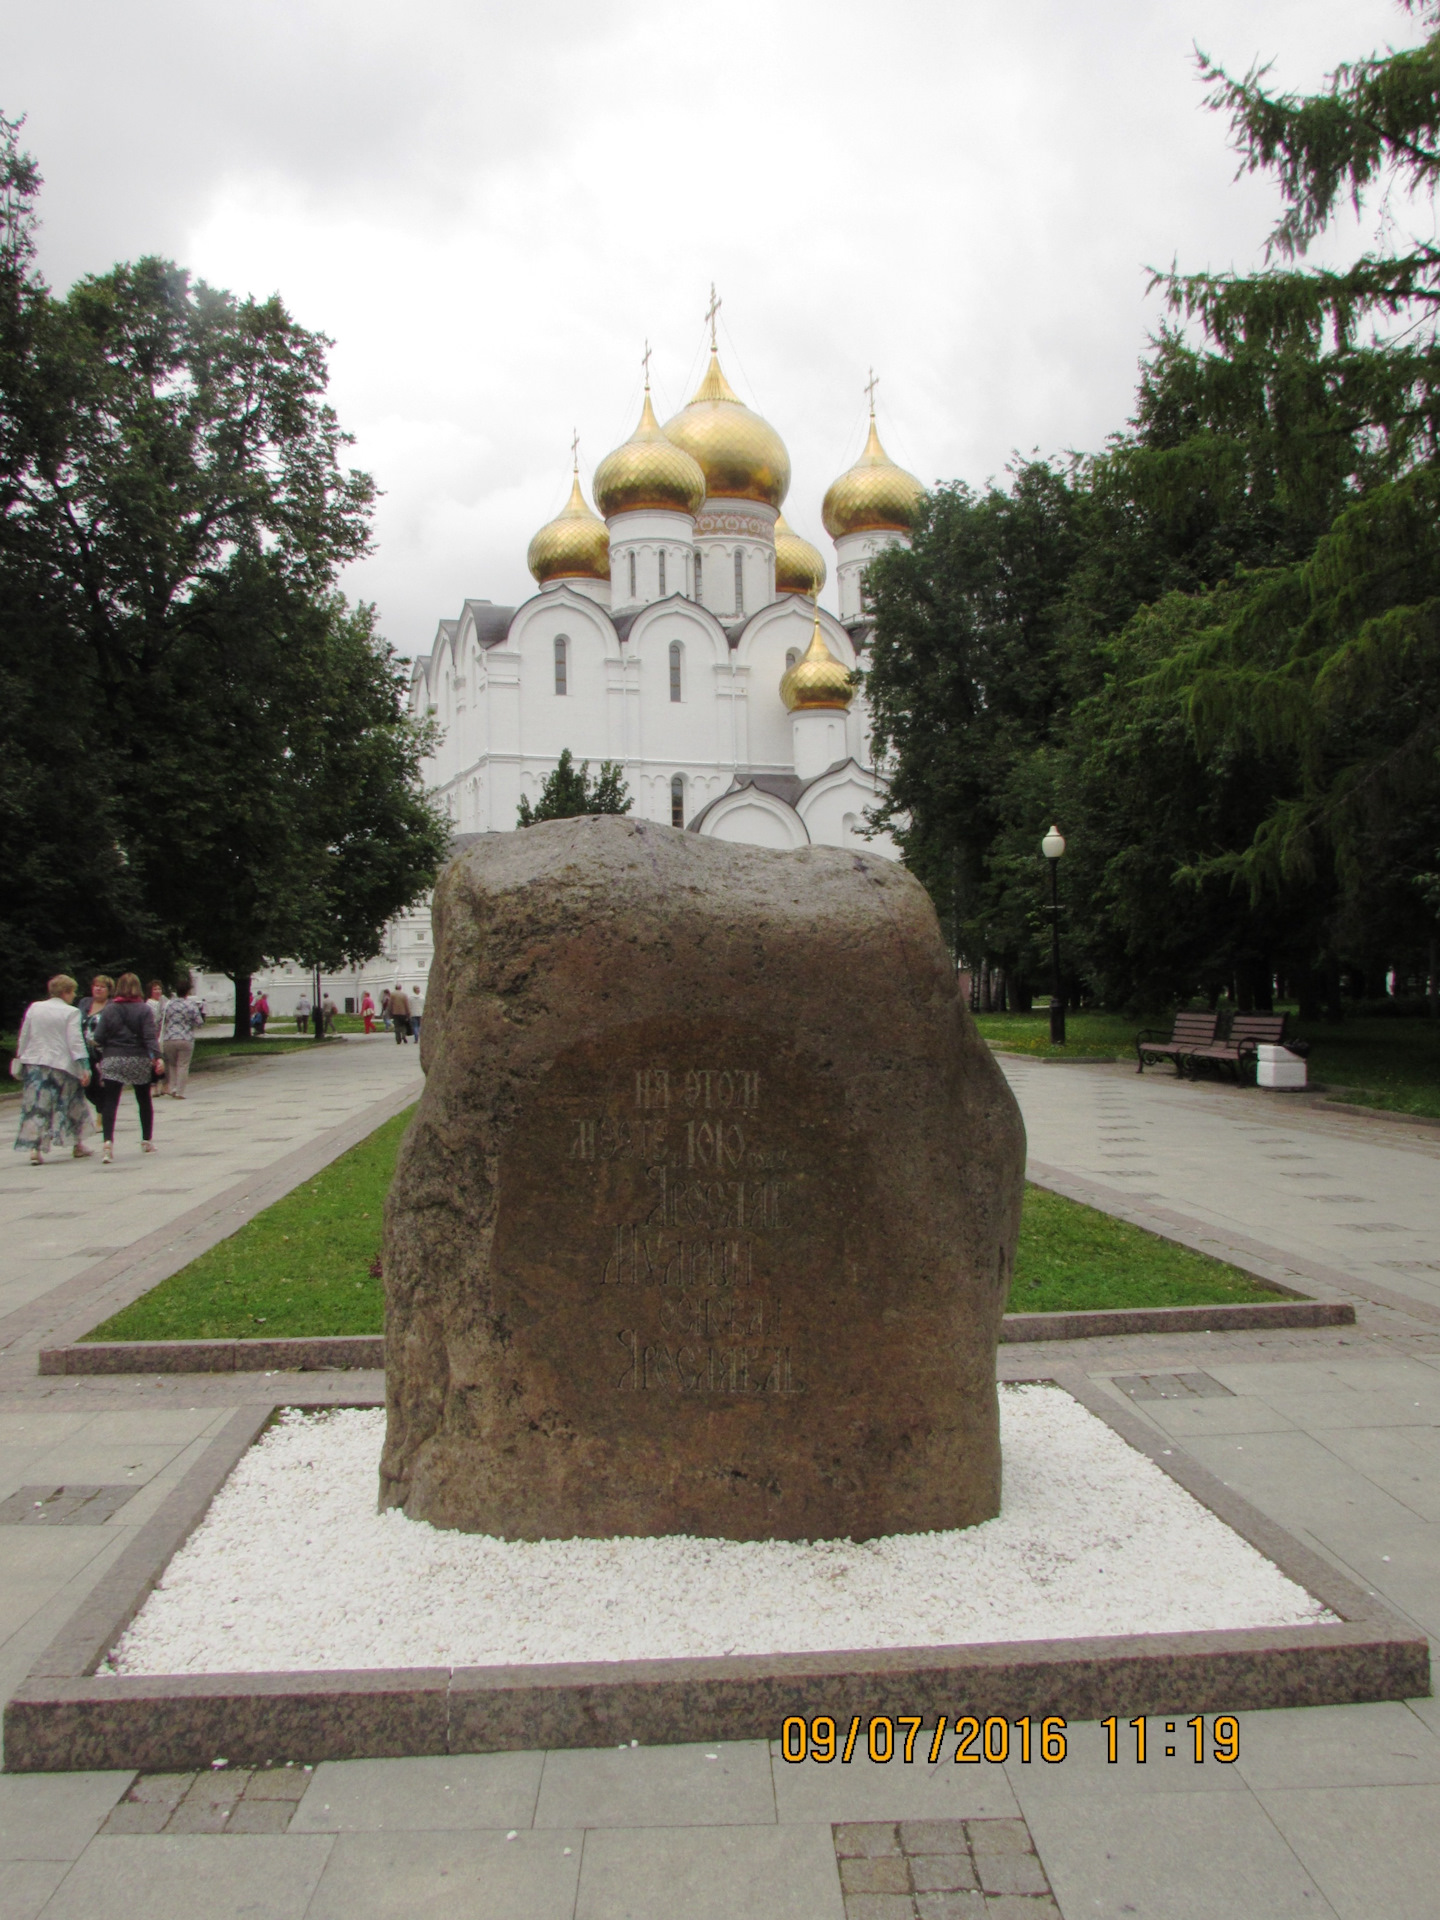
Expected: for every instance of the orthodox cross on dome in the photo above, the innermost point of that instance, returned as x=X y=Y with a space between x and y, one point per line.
x=710 y=312
x=575 y=450
x=870 y=386
x=645 y=362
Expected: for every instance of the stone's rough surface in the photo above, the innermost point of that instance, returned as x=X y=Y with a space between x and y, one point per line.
x=706 y=1219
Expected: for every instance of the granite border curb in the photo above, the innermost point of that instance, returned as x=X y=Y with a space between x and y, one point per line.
x=339 y=1352
x=319 y=1353
x=67 y=1716
x=1099 y=1322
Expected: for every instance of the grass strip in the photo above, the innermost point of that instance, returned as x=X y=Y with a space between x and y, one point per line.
x=302 y=1267
x=1072 y=1258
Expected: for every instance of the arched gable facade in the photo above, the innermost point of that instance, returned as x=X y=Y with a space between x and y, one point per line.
x=834 y=805
x=755 y=818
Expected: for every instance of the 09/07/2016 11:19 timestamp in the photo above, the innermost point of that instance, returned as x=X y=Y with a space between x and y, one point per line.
x=996 y=1739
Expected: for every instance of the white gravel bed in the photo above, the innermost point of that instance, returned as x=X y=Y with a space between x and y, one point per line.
x=293 y=1568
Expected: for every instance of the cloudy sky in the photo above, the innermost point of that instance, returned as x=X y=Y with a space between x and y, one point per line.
x=490 y=207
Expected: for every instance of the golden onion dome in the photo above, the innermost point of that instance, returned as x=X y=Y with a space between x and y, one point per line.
x=874 y=493
x=817 y=678
x=799 y=567
x=741 y=455
x=574 y=545
x=648 y=471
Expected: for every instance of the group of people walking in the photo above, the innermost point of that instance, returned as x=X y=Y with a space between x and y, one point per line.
x=68 y=1056
x=401 y=1010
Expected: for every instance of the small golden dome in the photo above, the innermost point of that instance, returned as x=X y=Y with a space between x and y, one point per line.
x=741 y=455
x=874 y=493
x=799 y=567
x=574 y=545
x=817 y=678
x=648 y=471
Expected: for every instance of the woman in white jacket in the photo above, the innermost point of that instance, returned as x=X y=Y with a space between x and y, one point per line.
x=53 y=1063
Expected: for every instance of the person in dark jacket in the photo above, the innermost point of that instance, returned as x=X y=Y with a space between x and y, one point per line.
x=129 y=1057
x=91 y=1008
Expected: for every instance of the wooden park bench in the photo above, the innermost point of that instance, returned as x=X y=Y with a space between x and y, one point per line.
x=1191 y=1030
x=1247 y=1032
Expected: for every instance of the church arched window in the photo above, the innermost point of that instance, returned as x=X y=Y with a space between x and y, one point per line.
x=791 y=656
x=699 y=588
x=562 y=663
x=677 y=799
x=676 y=652
x=632 y=573
x=662 y=573
x=739 y=581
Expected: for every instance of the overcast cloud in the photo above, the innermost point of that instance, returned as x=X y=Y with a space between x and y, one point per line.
x=491 y=207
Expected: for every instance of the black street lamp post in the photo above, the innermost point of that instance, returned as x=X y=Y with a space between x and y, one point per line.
x=1052 y=846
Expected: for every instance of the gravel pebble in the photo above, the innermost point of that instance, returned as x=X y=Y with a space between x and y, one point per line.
x=293 y=1569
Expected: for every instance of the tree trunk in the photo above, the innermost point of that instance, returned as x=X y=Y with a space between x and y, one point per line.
x=1432 y=985
x=242 y=1005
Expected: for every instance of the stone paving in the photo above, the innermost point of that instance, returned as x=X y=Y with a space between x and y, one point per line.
x=1336 y=1432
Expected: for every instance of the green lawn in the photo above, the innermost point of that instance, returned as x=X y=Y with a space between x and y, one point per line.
x=1393 y=1064
x=1071 y=1258
x=1089 y=1036
x=1372 y=1061
x=303 y=1266
x=300 y=1267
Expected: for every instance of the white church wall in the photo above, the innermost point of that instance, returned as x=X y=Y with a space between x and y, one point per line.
x=550 y=721
x=783 y=627
x=723 y=529
x=853 y=553
x=642 y=538
x=684 y=731
x=818 y=736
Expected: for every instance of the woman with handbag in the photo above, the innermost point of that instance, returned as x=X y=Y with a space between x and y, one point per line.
x=129 y=1057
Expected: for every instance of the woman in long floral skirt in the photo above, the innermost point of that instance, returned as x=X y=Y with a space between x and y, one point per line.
x=53 y=1065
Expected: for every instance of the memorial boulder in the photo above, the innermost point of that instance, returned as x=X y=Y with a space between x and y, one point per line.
x=707 y=1216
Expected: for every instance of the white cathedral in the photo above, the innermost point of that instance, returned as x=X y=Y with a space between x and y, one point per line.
x=678 y=632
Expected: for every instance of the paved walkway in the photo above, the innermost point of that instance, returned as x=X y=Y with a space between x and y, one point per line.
x=81 y=1238
x=1358 y=1198
x=1336 y=1432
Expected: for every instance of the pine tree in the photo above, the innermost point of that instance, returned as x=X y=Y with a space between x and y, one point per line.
x=569 y=791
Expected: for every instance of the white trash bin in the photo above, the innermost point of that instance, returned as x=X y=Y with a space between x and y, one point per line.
x=1278 y=1067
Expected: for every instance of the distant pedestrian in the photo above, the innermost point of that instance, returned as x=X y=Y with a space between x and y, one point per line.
x=129 y=1057
x=302 y=1014
x=53 y=1065
x=91 y=1008
x=417 y=1010
x=367 y=1011
x=400 y=1014
x=259 y=1014
x=385 y=1017
x=327 y=1013
x=180 y=1020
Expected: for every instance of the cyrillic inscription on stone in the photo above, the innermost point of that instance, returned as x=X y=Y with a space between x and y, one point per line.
x=681 y=1187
